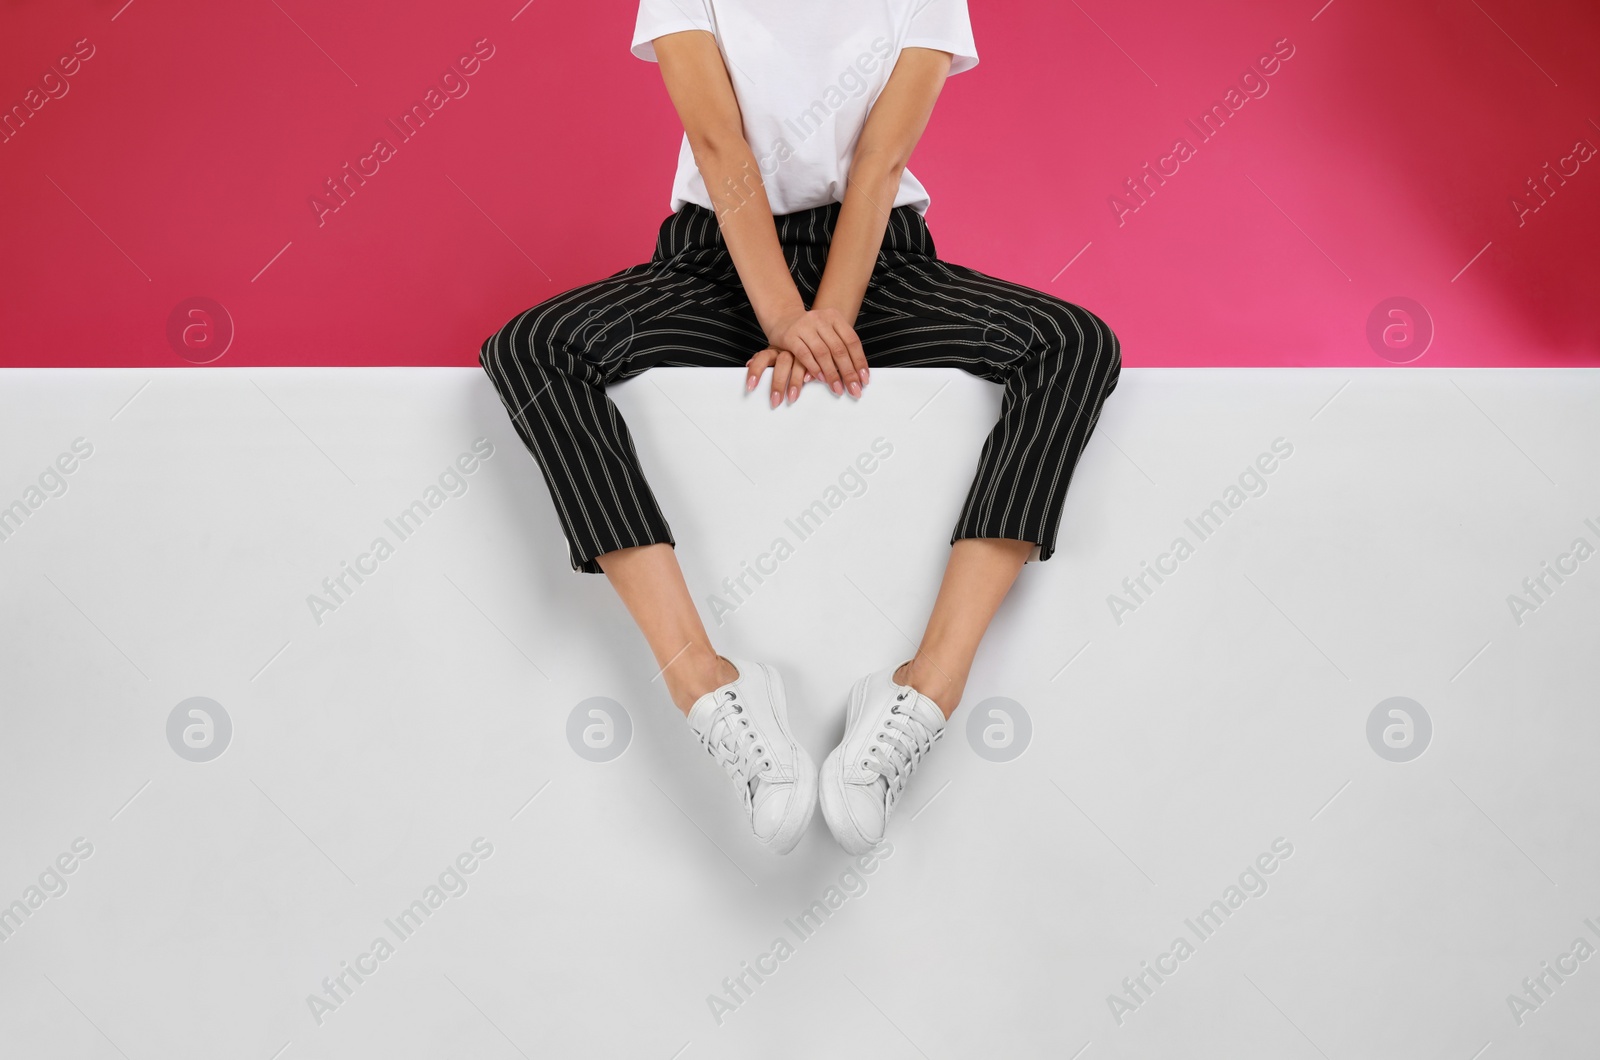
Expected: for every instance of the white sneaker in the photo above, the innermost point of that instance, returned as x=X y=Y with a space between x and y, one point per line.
x=744 y=725
x=888 y=728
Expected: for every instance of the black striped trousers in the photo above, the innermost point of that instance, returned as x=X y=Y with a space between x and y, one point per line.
x=686 y=306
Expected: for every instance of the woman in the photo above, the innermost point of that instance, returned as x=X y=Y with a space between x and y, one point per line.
x=797 y=245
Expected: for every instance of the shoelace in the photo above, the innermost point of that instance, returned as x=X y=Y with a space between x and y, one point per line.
x=902 y=743
x=731 y=740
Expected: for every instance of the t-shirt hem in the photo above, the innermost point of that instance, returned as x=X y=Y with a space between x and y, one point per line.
x=645 y=49
x=962 y=60
x=675 y=205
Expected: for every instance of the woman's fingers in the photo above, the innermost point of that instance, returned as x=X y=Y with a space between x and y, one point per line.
x=782 y=371
x=850 y=361
x=793 y=339
x=789 y=373
x=824 y=347
x=805 y=361
x=819 y=355
x=830 y=352
x=797 y=378
x=858 y=356
x=844 y=362
x=756 y=365
x=840 y=356
x=827 y=353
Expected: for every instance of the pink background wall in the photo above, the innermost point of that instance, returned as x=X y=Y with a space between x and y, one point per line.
x=1382 y=161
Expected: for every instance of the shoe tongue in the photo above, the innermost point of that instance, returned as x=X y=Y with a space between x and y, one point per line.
x=924 y=710
x=703 y=711
x=711 y=716
x=702 y=720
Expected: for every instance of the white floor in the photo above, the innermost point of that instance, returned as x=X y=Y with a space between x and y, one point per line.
x=1151 y=761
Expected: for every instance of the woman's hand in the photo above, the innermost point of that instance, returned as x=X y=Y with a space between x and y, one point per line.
x=788 y=374
x=821 y=344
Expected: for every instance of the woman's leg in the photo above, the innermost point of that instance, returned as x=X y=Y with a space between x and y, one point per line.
x=978 y=576
x=1058 y=363
x=651 y=585
x=551 y=366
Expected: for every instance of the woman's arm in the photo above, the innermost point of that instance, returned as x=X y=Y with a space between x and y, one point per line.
x=802 y=341
x=892 y=130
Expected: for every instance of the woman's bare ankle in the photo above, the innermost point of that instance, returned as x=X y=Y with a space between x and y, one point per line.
x=696 y=671
x=921 y=674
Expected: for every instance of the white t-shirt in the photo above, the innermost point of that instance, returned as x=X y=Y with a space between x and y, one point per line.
x=806 y=73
